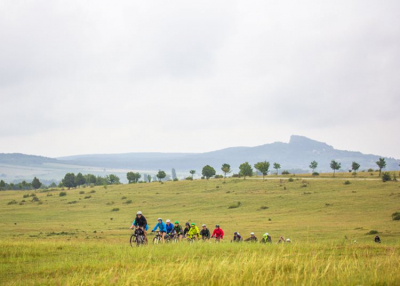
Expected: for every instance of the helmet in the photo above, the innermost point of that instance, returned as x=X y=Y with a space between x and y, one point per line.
x=139 y=212
x=159 y=218
x=187 y=223
x=176 y=222
x=217 y=225
x=168 y=220
x=266 y=234
x=193 y=223
x=235 y=232
x=203 y=224
x=288 y=240
x=251 y=233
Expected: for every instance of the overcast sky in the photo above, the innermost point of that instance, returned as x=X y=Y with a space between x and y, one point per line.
x=80 y=77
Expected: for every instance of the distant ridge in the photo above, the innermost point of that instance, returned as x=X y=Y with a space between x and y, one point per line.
x=294 y=156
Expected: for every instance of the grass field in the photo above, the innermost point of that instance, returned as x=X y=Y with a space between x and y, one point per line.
x=78 y=239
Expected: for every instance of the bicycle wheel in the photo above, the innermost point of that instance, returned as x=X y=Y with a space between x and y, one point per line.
x=132 y=240
x=156 y=240
x=140 y=240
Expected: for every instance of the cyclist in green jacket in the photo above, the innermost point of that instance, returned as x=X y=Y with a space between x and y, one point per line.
x=177 y=230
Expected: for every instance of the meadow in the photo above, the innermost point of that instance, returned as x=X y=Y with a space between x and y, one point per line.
x=82 y=238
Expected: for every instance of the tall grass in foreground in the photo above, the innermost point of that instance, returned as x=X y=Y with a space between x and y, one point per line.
x=98 y=263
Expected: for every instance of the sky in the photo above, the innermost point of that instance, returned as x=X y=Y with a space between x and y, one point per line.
x=90 y=77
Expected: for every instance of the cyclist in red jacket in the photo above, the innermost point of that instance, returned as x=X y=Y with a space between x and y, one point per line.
x=218 y=233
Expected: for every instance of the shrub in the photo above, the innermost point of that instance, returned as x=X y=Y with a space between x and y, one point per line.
x=238 y=204
x=264 y=208
x=35 y=199
x=88 y=197
x=370 y=170
x=386 y=177
x=285 y=172
x=176 y=179
x=72 y=202
x=49 y=195
x=315 y=174
x=304 y=186
x=63 y=194
x=218 y=176
x=92 y=191
x=235 y=176
x=13 y=202
x=25 y=196
x=123 y=198
x=396 y=216
x=189 y=178
x=128 y=202
x=81 y=192
x=372 y=232
x=347 y=183
x=115 y=210
x=290 y=180
x=110 y=203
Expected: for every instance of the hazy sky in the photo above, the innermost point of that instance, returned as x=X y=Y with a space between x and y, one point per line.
x=82 y=77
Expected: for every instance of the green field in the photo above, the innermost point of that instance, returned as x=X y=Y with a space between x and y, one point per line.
x=78 y=240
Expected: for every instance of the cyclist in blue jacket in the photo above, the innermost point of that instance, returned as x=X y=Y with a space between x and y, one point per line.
x=162 y=227
x=169 y=227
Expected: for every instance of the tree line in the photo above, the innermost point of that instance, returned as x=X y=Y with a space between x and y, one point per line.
x=71 y=180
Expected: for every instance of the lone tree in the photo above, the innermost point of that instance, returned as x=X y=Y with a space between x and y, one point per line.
x=161 y=175
x=149 y=178
x=381 y=164
x=69 y=180
x=355 y=166
x=192 y=172
x=36 y=184
x=133 y=177
x=277 y=167
x=335 y=166
x=262 y=167
x=2 y=185
x=208 y=171
x=112 y=179
x=226 y=168
x=79 y=180
x=245 y=170
x=313 y=166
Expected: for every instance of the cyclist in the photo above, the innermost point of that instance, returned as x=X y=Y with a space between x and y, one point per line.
x=186 y=230
x=169 y=227
x=266 y=238
x=252 y=238
x=237 y=237
x=205 y=233
x=177 y=230
x=218 y=233
x=140 y=222
x=193 y=232
x=161 y=227
x=281 y=240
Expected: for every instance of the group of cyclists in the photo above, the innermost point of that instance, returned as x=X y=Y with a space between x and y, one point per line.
x=192 y=232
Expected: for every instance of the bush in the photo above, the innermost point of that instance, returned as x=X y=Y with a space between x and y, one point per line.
x=370 y=170
x=81 y=192
x=386 y=177
x=218 y=176
x=63 y=194
x=315 y=174
x=123 y=198
x=176 y=179
x=264 y=208
x=238 y=204
x=285 y=172
x=396 y=216
x=290 y=180
x=372 y=232
x=25 y=196
x=235 y=176
x=88 y=197
x=115 y=210
x=72 y=202
x=92 y=191
x=13 y=202
x=347 y=183
x=35 y=199
x=189 y=178
x=128 y=202
x=49 y=195
x=110 y=203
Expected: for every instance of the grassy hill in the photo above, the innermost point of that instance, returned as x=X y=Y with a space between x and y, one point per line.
x=68 y=239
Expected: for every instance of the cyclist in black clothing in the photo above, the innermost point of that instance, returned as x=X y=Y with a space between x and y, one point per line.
x=237 y=237
x=141 y=222
x=186 y=230
x=177 y=230
x=205 y=233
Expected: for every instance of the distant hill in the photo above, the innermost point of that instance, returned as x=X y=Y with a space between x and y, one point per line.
x=294 y=156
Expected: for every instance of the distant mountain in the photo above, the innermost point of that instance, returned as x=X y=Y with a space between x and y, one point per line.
x=294 y=156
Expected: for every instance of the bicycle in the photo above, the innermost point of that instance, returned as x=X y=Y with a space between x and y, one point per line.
x=158 y=238
x=137 y=238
